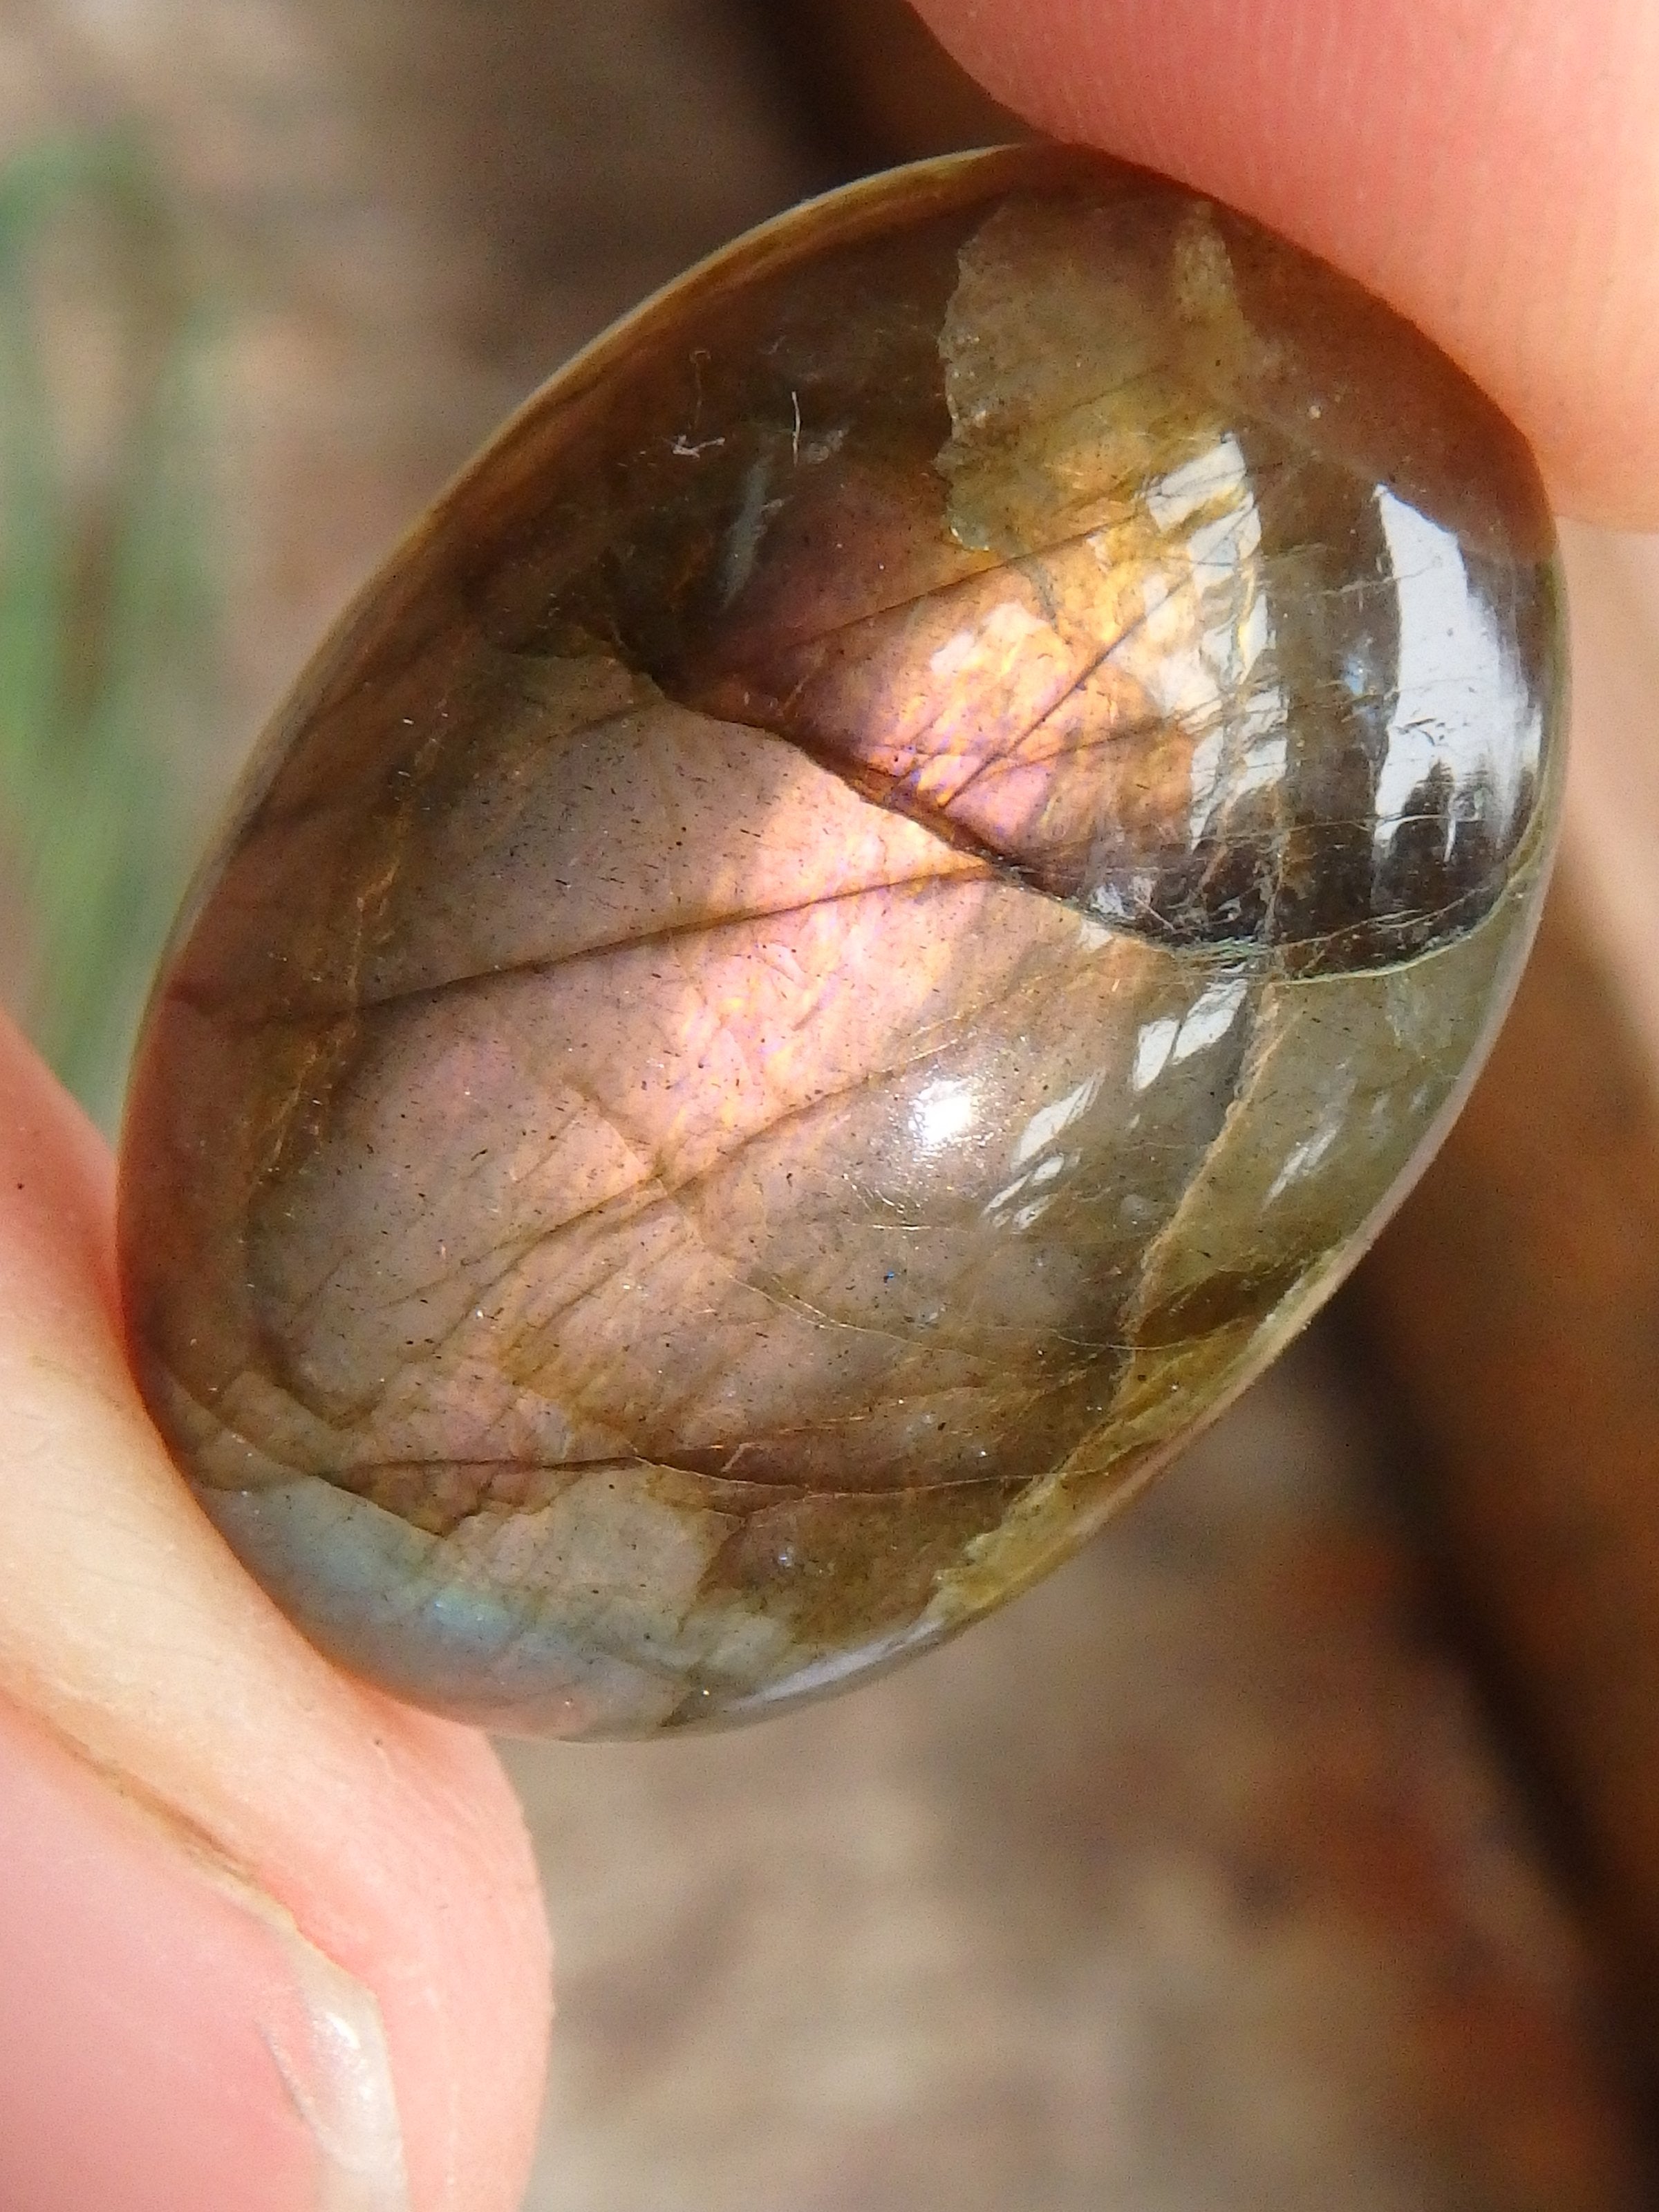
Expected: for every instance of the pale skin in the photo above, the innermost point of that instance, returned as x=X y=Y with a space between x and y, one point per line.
x=199 y=1820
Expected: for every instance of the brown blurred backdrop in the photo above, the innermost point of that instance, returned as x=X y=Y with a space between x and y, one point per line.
x=1299 y=1846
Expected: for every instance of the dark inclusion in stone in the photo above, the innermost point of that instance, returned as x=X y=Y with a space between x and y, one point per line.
x=855 y=930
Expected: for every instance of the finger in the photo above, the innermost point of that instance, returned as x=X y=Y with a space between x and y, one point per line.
x=1490 y=166
x=221 y=1846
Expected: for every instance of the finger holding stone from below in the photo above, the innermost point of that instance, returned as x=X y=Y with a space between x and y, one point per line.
x=377 y=1855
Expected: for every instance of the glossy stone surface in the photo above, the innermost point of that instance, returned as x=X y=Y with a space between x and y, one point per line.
x=854 y=931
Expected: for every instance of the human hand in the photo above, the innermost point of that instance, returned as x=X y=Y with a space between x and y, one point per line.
x=205 y=1829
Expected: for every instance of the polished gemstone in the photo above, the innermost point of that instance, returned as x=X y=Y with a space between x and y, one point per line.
x=863 y=920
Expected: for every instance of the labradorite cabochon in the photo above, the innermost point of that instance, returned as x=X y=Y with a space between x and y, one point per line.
x=862 y=921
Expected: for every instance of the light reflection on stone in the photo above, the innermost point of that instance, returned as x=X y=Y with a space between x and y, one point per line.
x=1465 y=731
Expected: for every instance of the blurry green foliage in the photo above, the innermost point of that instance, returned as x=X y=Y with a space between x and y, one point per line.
x=107 y=601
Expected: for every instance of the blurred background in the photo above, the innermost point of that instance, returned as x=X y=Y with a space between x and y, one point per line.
x=1297 y=1847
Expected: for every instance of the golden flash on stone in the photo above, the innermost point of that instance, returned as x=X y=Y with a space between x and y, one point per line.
x=859 y=925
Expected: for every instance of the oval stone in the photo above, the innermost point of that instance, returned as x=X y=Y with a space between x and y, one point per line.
x=863 y=920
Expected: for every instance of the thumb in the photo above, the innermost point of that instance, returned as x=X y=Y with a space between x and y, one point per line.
x=266 y=1939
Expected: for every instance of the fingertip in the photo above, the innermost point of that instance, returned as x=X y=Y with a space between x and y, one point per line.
x=1489 y=166
x=173 y=2040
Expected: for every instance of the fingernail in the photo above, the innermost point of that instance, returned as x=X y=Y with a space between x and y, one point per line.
x=340 y=2081
x=169 y=2040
